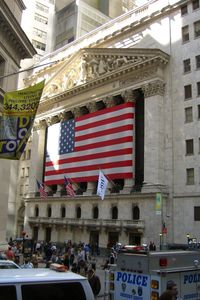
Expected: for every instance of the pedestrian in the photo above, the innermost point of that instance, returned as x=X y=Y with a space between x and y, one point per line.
x=28 y=264
x=94 y=282
x=171 y=291
x=10 y=254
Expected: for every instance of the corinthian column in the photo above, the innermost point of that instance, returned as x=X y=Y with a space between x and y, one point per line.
x=37 y=155
x=154 y=132
x=129 y=96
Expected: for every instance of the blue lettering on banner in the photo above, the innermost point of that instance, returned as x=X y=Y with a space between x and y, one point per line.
x=140 y=280
x=191 y=278
x=125 y=295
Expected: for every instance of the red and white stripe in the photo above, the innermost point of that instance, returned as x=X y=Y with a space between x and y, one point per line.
x=103 y=140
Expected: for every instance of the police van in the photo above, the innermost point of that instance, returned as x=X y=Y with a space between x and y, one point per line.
x=43 y=284
x=144 y=275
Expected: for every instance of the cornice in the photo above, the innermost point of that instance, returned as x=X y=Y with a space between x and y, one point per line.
x=10 y=26
x=137 y=64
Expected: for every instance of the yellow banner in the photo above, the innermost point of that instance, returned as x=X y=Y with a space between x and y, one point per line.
x=19 y=110
x=23 y=102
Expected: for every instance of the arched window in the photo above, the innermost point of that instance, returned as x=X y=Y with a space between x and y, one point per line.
x=49 y=211
x=36 y=211
x=63 y=211
x=136 y=213
x=95 y=212
x=78 y=212
x=114 y=213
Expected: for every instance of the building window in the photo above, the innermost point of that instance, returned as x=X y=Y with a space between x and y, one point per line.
x=114 y=213
x=190 y=176
x=40 y=33
x=39 y=45
x=195 y=4
x=188 y=115
x=198 y=111
x=197 y=61
x=23 y=172
x=198 y=88
x=2 y=69
x=63 y=212
x=78 y=212
x=36 y=212
x=28 y=154
x=197 y=213
x=197 y=29
x=42 y=7
x=184 y=10
x=41 y=19
x=27 y=171
x=185 y=34
x=188 y=91
x=189 y=147
x=95 y=212
x=49 y=211
x=186 y=65
x=136 y=213
x=21 y=190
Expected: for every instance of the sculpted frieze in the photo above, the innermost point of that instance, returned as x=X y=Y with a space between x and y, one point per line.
x=92 y=66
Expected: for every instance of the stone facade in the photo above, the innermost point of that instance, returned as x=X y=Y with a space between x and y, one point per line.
x=139 y=58
x=14 y=46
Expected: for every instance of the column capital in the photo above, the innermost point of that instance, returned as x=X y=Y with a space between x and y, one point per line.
x=42 y=124
x=76 y=111
x=156 y=87
x=109 y=101
x=128 y=96
x=92 y=106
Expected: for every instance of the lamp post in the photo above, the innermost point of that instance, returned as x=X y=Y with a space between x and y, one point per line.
x=161 y=241
x=188 y=239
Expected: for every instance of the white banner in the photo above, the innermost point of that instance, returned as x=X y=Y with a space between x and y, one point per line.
x=102 y=185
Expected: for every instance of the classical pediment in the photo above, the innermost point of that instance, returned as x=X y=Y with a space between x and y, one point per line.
x=91 y=66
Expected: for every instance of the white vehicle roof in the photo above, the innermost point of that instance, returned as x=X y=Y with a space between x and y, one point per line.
x=38 y=274
x=9 y=264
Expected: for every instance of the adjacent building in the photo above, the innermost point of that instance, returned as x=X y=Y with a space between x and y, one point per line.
x=147 y=59
x=14 y=46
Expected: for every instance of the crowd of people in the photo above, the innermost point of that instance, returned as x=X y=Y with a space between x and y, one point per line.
x=78 y=258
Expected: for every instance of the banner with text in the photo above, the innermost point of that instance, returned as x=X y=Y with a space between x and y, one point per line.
x=19 y=110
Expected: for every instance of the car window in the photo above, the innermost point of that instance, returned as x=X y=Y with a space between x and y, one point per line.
x=11 y=266
x=8 y=292
x=55 y=291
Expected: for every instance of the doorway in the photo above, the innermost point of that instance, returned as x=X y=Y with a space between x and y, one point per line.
x=48 y=234
x=134 y=239
x=113 y=238
x=94 y=242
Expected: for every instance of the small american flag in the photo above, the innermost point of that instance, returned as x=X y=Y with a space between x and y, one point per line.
x=69 y=188
x=41 y=188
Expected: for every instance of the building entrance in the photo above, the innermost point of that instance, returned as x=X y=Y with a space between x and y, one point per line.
x=94 y=242
x=134 y=239
x=113 y=238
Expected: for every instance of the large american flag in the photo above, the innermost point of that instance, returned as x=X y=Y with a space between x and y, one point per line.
x=100 y=140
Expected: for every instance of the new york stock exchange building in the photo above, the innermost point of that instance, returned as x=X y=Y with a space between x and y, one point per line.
x=114 y=100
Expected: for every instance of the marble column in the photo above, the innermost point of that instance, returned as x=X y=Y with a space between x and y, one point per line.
x=129 y=96
x=154 y=133
x=37 y=155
